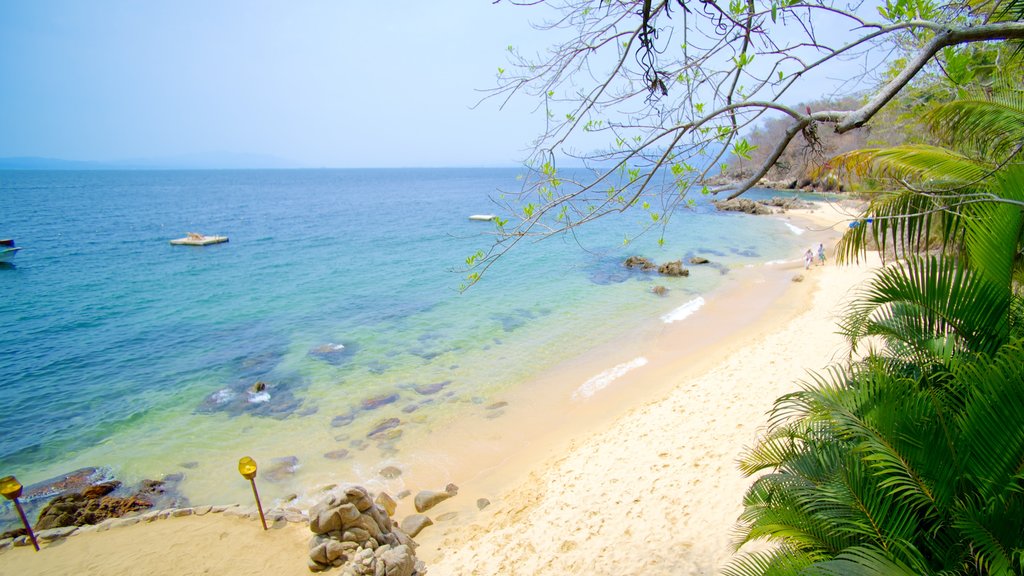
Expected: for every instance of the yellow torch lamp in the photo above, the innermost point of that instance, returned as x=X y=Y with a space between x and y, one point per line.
x=247 y=468
x=11 y=489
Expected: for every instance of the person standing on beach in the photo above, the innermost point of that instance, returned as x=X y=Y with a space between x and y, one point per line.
x=821 y=254
x=808 y=259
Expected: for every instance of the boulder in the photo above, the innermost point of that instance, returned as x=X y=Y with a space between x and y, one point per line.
x=482 y=503
x=673 y=269
x=696 y=260
x=427 y=499
x=639 y=262
x=660 y=290
x=413 y=525
x=390 y=472
x=398 y=561
x=387 y=503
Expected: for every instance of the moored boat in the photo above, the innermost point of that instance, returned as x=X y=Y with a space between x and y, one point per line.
x=8 y=250
x=194 y=239
x=483 y=217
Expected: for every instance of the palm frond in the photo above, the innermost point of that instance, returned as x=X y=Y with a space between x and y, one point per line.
x=988 y=127
x=922 y=302
x=781 y=561
x=925 y=166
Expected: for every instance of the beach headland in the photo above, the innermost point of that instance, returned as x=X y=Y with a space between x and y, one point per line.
x=606 y=464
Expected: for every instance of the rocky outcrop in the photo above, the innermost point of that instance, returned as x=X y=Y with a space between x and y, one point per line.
x=744 y=205
x=667 y=269
x=673 y=269
x=353 y=533
x=787 y=203
x=697 y=260
x=640 y=262
x=79 y=510
x=761 y=207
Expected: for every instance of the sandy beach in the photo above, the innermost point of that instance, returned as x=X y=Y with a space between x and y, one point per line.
x=641 y=479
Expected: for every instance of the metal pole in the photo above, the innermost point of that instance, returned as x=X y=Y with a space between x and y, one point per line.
x=258 y=505
x=24 y=521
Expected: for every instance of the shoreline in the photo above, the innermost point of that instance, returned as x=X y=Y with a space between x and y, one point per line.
x=542 y=449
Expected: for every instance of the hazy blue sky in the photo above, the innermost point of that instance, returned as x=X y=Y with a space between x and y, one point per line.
x=320 y=83
x=334 y=83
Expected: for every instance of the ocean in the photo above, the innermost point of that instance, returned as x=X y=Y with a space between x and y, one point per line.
x=326 y=336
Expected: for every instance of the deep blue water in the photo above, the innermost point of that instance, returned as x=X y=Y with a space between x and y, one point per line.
x=108 y=329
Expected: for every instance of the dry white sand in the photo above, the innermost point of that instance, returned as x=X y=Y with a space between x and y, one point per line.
x=652 y=491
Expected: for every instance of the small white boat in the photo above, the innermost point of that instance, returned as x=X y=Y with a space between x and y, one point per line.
x=8 y=250
x=486 y=217
x=193 y=239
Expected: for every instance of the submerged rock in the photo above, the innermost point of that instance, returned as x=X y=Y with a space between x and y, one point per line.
x=383 y=426
x=390 y=472
x=260 y=398
x=428 y=389
x=280 y=469
x=659 y=290
x=338 y=454
x=335 y=354
x=374 y=402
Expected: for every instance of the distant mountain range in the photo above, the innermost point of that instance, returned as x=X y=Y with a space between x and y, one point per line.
x=206 y=161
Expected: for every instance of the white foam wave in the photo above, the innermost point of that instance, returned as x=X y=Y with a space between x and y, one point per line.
x=259 y=398
x=602 y=380
x=794 y=229
x=684 y=311
x=222 y=396
x=776 y=262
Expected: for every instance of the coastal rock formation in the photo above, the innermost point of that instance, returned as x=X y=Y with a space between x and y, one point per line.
x=79 y=510
x=667 y=269
x=761 y=207
x=353 y=533
x=696 y=260
x=673 y=269
x=787 y=203
x=742 y=205
x=640 y=262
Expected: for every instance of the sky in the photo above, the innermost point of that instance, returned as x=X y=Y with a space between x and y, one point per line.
x=315 y=83
x=337 y=83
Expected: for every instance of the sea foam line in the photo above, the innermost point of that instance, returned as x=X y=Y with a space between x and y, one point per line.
x=684 y=311
x=602 y=380
x=794 y=229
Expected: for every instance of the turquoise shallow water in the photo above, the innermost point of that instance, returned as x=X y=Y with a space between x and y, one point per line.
x=336 y=290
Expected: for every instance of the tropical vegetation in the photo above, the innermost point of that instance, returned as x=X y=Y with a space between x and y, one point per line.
x=909 y=458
